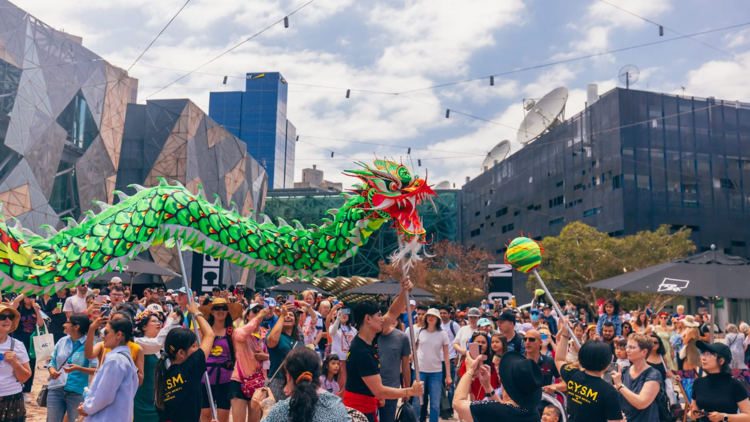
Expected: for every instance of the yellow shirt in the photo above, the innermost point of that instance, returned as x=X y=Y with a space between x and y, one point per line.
x=134 y=348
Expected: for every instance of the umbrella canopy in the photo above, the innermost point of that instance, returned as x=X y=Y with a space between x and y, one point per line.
x=389 y=286
x=297 y=286
x=710 y=274
x=135 y=267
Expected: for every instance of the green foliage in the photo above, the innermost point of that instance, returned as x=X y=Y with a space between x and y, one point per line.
x=581 y=255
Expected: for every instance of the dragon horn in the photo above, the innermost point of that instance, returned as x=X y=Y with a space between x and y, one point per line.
x=282 y=222
x=202 y=193
x=178 y=184
x=217 y=203
x=102 y=205
x=137 y=187
x=72 y=223
x=121 y=195
x=162 y=181
x=51 y=230
x=234 y=207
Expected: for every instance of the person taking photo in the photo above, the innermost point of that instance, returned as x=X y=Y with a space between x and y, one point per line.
x=639 y=383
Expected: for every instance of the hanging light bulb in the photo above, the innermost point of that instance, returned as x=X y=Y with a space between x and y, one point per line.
x=225 y=80
x=661 y=31
x=286 y=22
x=297 y=138
x=447 y=113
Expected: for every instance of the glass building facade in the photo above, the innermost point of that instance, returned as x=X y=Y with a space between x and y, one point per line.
x=258 y=117
x=632 y=161
x=309 y=206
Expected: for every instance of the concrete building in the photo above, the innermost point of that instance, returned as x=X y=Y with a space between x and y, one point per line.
x=314 y=178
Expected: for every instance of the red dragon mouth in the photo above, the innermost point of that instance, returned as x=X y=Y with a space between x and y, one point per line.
x=403 y=208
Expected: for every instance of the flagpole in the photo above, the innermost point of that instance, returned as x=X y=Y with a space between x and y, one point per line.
x=195 y=325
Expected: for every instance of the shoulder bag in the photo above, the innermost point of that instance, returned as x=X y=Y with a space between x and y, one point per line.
x=251 y=383
x=41 y=399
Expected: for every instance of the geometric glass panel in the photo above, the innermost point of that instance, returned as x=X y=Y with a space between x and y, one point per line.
x=77 y=120
x=64 y=198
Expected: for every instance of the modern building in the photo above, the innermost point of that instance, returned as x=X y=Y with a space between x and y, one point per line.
x=69 y=135
x=631 y=161
x=309 y=206
x=176 y=140
x=62 y=112
x=314 y=178
x=258 y=117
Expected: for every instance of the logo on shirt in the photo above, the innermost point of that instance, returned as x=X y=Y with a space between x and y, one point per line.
x=216 y=351
x=673 y=285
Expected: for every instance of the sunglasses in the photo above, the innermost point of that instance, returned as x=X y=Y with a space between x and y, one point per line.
x=3 y=317
x=255 y=310
x=663 y=317
x=220 y=308
x=529 y=339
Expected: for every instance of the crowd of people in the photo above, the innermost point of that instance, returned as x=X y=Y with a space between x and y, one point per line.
x=311 y=358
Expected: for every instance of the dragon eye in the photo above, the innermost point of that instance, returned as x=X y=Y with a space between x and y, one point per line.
x=393 y=186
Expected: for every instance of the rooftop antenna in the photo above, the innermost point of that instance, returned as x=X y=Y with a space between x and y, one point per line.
x=629 y=75
x=542 y=115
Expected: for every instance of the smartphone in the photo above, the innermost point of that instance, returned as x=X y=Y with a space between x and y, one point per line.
x=346 y=311
x=700 y=413
x=290 y=298
x=335 y=302
x=474 y=350
x=104 y=311
x=99 y=299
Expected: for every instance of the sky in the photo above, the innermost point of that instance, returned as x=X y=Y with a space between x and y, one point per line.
x=393 y=53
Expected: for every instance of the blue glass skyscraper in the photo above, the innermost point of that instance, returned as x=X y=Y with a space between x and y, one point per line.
x=258 y=117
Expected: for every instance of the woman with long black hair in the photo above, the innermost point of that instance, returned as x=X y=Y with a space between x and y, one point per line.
x=307 y=401
x=31 y=319
x=221 y=359
x=485 y=349
x=611 y=314
x=284 y=337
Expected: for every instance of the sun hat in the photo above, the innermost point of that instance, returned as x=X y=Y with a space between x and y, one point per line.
x=522 y=379
x=235 y=309
x=16 y=316
x=434 y=312
x=689 y=321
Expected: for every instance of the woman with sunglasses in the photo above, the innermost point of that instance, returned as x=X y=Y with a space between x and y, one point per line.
x=252 y=354
x=221 y=360
x=14 y=370
x=665 y=332
x=627 y=330
x=657 y=361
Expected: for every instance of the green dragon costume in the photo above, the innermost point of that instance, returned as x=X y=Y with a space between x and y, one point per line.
x=105 y=242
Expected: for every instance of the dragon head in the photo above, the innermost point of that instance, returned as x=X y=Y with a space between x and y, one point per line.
x=391 y=192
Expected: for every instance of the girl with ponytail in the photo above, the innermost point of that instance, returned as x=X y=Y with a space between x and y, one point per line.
x=307 y=401
x=180 y=369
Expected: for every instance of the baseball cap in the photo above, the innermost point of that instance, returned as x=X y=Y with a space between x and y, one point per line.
x=484 y=322
x=413 y=302
x=154 y=307
x=474 y=312
x=116 y=280
x=270 y=301
x=253 y=305
x=534 y=311
x=719 y=349
x=170 y=291
x=507 y=316
x=182 y=290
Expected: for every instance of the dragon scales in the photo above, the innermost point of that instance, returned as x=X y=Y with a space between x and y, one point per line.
x=162 y=214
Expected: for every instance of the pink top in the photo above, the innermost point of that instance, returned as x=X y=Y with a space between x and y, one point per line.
x=246 y=343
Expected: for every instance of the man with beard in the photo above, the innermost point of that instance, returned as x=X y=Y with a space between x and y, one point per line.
x=608 y=338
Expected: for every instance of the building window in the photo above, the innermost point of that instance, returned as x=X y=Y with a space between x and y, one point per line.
x=500 y=251
x=487 y=217
x=508 y=227
x=728 y=184
x=492 y=224
x=537 y=207
x=628 y=151
x=643 y=182
x=560 y=183
x=77 y=120
x=529 y=207
x=557 y=221
x=475 y=232
x=738 y=243
x=476 y=214
x=616 y=233
x=501 y=212
x=556 y=201
x=578 y=186
x=690 y=188
x=572 y=204
x=64 y=196
x=516 y=213
x=592 y=211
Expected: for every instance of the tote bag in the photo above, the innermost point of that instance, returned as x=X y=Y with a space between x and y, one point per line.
x=44 y=345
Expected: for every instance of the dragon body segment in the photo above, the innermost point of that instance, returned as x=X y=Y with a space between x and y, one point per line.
x=105 y=242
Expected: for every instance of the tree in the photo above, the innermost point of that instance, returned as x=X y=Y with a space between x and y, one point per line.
x=581 y=255
x=454 y=273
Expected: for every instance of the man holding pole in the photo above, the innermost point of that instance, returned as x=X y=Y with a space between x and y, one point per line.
x=364 y=387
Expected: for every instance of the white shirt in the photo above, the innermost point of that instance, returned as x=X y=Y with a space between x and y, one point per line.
x=75 y=304
x=452 y=354
x=429 y=349
x=341 y=339
x=463 y=335
x=9 y=385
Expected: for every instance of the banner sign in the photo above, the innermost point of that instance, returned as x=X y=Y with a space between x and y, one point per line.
x=206 y=274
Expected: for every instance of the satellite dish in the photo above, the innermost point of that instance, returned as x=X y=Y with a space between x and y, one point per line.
x=528 y=103
x=498 y=154
x=629 y=75
x=443 y=185
x=543 y=115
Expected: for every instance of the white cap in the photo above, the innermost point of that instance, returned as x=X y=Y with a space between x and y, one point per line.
x=116 y=280
x=413 y=302
x=154 y=307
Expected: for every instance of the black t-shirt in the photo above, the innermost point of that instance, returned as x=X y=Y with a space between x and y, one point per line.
x=662 y=371
x=549 y=369
x=492 y=411
x=56 y=320
x=362 y=360
x=718 y=393
x=182 y=395
x=590 y=398
x=516 y=344
x=324 y=339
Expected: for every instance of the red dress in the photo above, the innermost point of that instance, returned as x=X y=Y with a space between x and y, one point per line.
x=476 y=387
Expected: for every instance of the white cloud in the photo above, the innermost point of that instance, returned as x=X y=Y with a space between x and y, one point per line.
x=738 y=38
x=728 y=80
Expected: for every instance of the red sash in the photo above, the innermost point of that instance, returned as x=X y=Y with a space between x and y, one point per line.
x=365 y=404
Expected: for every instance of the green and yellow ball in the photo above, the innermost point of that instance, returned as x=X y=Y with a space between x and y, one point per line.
x=524 y=254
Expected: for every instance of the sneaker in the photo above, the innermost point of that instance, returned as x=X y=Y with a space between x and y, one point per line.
x=26 y=398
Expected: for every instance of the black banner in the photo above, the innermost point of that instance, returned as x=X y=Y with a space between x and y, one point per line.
x=206 y=274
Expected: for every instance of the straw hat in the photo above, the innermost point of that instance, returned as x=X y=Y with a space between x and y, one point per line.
x=235 y=309
x=690 y=321
x=16 y=316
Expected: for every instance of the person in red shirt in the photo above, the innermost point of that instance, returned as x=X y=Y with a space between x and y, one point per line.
x=477 y=390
